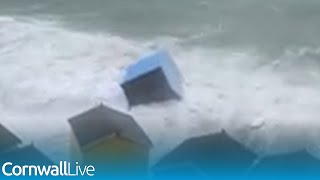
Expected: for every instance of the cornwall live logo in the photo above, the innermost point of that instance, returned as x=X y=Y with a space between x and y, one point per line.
x=63 y=169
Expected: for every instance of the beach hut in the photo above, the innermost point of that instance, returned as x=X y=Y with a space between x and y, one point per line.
x=111 y=140
x=153 y=78
x=26 y=155
x=294 y=165
x=8 y=140
x=212 y=156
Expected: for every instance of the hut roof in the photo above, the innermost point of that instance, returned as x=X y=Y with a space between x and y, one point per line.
x=103 y=121
x=298 y=163
x=27 y=155
x=211 y=153
x=7 y=139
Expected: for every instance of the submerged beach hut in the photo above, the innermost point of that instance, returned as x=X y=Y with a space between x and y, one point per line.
x=153 y=78
x=8 y=140
x=297 y=165
x=215 y=155
x=111 y=140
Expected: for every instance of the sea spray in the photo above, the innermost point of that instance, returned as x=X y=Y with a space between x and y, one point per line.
x=51 y=72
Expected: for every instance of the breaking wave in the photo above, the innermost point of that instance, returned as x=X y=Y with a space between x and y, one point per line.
x=50 y=73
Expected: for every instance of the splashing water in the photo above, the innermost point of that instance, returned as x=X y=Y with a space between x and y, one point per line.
x=50 y=73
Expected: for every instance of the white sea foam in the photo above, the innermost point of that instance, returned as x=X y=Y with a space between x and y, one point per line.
x=50 y=73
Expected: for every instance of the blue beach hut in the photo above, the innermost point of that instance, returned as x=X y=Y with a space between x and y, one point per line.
x=216 y=156
x=153 y=78
x=26 y=155
x=296 y=165
x=8 y=140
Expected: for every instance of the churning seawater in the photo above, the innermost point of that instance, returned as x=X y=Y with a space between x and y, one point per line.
x=250 y=67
